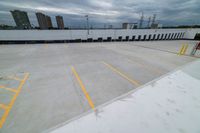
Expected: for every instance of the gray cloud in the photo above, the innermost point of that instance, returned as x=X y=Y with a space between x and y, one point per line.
x=169 y=12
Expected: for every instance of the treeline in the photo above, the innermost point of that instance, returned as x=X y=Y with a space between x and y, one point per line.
x=181 y=26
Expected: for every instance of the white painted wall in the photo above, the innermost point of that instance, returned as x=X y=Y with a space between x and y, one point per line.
x=191 y=33
x=95 y=34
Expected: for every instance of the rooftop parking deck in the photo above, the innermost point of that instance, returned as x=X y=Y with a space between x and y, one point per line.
x=43 y=85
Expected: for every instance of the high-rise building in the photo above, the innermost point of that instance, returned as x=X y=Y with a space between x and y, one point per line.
x=44 y=21
x=21 y=19
x=49 y=23
x=125 y=25
x=41 y=20
x=60 y=23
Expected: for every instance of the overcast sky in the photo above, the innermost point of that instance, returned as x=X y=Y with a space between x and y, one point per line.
x=101 y=12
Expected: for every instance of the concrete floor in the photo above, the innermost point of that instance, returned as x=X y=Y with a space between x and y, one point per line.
x=52 y=94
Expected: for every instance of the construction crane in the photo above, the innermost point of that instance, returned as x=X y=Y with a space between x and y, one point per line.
x=141 y=20
x=154 y=19
x=149 y=21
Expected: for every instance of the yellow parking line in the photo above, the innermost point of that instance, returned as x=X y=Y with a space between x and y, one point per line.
x=7 y=111
x=146 y=66
x=181 y=50
x=134 y=82
x=83 y=88
x=9 y=89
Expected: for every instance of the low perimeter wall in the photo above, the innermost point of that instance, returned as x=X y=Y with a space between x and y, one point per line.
x=7 y=36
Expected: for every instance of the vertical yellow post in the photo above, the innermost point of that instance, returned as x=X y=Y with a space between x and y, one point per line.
x=186 y=46
x=180 y=52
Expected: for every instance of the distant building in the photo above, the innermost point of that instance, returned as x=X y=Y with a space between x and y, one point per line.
x=21 y=19
x=44 y=21
x=156 y=26
x=129 y=25
x=41 y=20
x=110 y=27
x=49 y=23
x=160 y=26
x=60 y=23
x=125 y=26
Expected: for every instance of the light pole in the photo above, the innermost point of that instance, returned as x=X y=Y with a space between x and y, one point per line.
x=87 y=19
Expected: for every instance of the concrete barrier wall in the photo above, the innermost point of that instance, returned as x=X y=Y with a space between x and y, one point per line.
x=162 y=34
x=190 y=34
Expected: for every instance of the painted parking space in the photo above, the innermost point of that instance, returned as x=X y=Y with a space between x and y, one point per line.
x=87 y=96
x=135 y=72
x=125 y=76
x=102 y=83
x=7 y=107
x=103 y=78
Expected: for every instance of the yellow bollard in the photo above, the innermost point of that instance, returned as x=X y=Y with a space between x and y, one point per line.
x=180 y=52
x=186 y=46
